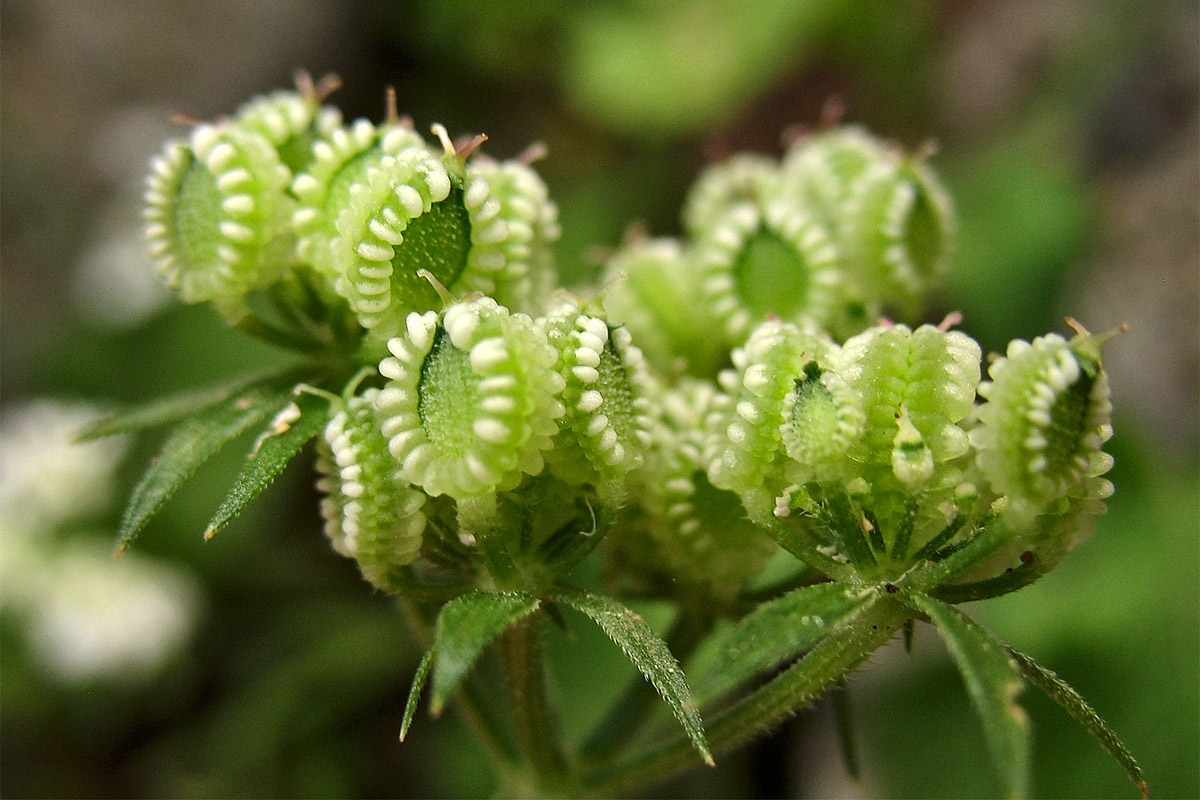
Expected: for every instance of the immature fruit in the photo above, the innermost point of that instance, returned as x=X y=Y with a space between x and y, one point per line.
x=216 y=213
x=754 y=463
x=293 y=122
x=680 y=525
x=764 y=259
x=605 y=428
x=471 y=400
x=340 y=162
x=1046 y=417
x=742 y=178
x=371 y=513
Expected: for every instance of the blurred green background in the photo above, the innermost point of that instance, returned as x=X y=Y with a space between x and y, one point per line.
x=260 y=664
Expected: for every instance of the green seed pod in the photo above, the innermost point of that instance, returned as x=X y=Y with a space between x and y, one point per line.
x=339 y=162
x=897 y=232
x=371 y=513
x=916 y=388
x=1046 y=417
x=754 y=463
x=822 y=169
x=680 y=528
x=216 y=214
x=293 y=122
x=402 y=216
x=471 y=400
x=653 y=292
x=769 y=259
x=605 y=428
x=887 y=212
x=531 y=217
x=742 y=178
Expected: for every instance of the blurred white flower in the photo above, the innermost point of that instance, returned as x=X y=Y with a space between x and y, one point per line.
x=96 y=616
x=45 y=478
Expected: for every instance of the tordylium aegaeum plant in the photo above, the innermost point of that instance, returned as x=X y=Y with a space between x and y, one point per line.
x=737 y=421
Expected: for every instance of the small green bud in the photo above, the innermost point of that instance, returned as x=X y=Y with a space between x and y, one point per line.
x=371 y=513
x=822 y=419
x=471 y=401
x=216 y=213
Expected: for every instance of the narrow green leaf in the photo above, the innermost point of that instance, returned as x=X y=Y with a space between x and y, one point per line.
x=414 y=694
x=465 y=626
x=190 y=445
x=649 y=654
x=782 y=629
x=993 y=682
x=1061 y=692
x=176 y=406
x=292 y=428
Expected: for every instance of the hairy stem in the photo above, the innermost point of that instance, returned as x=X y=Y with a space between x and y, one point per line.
x=536 y=726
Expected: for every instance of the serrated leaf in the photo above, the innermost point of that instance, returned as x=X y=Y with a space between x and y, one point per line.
x=298 y=422
x=190 y=445
x=465 y=626
x=414 y=694
x=992 y=681
x=176 y=406
x=782 y=629
x=649 y=654
x=1073 y=703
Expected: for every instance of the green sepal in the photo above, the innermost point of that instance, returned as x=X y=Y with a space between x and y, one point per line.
x=465 y=626
x=1060 y=692
x=649 y=654
x=292 y=428
x=782 y=629
x=993 y=682
x=171 y=408
x=190 y=445
x=414 y=694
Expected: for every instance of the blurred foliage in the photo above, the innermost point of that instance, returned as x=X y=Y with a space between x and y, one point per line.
x=295 y=682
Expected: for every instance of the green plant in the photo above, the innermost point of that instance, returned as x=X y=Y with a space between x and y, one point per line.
x=481 y=434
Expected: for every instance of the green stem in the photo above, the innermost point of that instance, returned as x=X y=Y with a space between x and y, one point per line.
x=537 y=730
x=826 y=664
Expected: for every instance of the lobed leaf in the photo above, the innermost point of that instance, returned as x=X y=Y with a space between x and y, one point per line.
x=292 y=428
x=465 y=626
x=1062 y=693
x=993 y=682
x=190 y=445
x=782 y=629
x=649 y=654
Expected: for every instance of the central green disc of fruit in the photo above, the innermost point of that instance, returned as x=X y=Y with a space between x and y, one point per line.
x=772 y=275
x=438 y=241
x=198 y=207
x=1068 y=417
x=814 y=418
x=447 y=397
